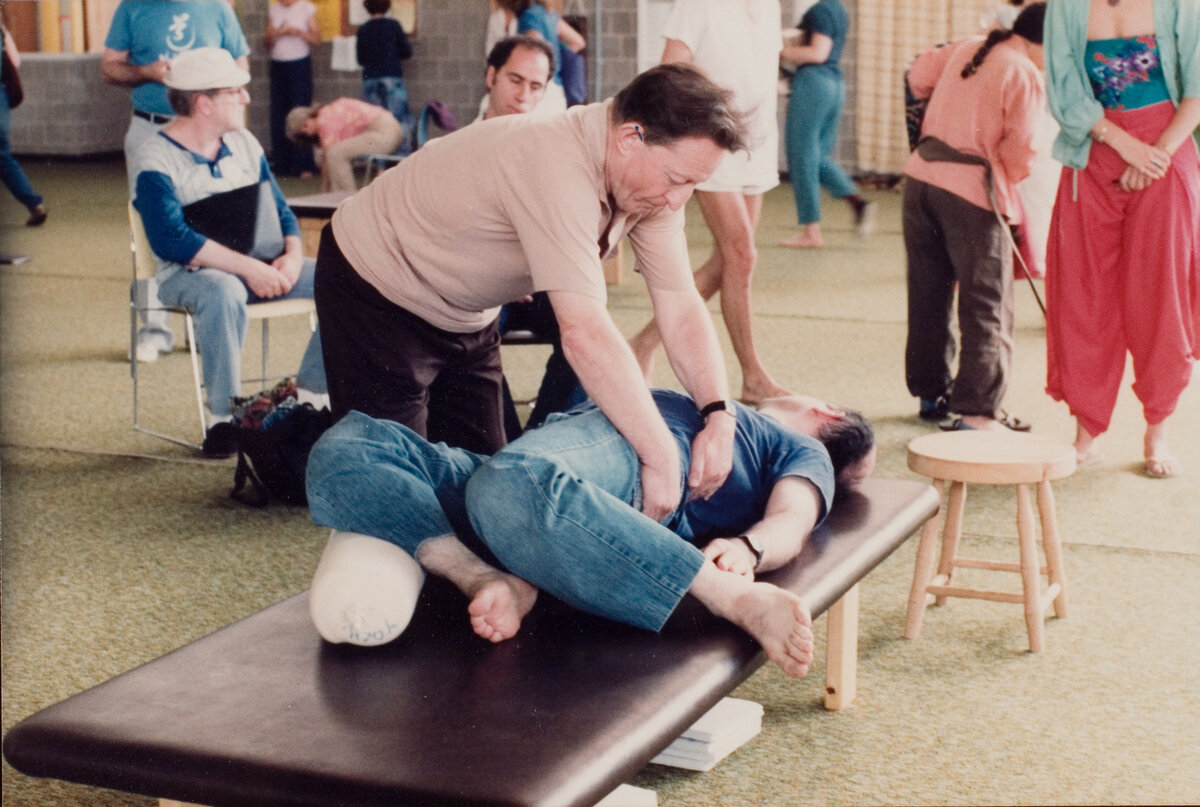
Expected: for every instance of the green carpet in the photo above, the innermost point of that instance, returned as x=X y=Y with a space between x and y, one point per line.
x=118 y=547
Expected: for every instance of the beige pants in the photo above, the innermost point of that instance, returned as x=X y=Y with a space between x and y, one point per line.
x=383 y=136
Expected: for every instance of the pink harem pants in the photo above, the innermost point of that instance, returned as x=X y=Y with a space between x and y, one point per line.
x=1122 y=275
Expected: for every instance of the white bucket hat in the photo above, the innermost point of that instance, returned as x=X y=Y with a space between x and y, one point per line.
x=205 y=69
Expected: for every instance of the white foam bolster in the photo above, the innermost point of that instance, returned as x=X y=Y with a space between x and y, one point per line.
x=364 y=590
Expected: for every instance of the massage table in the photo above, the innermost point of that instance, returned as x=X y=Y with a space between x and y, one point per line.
x=263 y=712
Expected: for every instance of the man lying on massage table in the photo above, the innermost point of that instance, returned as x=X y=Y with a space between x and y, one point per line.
x=558 y=510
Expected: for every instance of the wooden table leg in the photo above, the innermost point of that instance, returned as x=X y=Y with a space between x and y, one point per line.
x=841 y=652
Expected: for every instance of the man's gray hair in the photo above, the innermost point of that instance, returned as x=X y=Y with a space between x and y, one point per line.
x=677 y=100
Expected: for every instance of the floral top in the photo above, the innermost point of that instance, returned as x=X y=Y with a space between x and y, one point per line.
x=1126 y=73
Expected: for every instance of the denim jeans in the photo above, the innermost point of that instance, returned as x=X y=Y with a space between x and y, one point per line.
x=391 y=93
x=558 y=507
x=380 y=478
x=11 y=173
x=218 y=303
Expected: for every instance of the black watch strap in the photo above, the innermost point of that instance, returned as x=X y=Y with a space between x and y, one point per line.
x=724 y=405
x=755 y=546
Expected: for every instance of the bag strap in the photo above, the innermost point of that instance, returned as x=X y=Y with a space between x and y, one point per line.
x=256 y=495
x=934 y=150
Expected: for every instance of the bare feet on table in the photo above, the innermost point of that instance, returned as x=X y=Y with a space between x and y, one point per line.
x=499 y=605
x=780 y=623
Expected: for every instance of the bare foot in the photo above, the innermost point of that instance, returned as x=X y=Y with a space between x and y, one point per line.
x=1160 y=462
x=780 y=623
x=802 y=241
x=754 y=395
x=1086 y=451
x=499 y=605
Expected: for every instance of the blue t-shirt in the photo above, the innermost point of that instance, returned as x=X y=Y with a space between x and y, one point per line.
x=152 y=30
x=538 y=18
x=764 y=451
x=828 y=17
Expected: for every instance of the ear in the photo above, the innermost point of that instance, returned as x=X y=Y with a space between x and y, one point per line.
x=489 y=77
x=629 y=135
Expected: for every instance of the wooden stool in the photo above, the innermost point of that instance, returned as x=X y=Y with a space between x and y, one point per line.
x=991 y=458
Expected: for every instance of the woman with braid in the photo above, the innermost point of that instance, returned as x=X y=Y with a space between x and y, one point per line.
x=985 y=96
x=1122 y=274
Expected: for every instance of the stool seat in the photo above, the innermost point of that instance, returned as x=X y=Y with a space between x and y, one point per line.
x=991 y=458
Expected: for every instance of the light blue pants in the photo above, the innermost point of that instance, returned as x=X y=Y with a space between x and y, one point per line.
x=391 y=93
x=814 y=111
x=557 y=507
x=218 y=303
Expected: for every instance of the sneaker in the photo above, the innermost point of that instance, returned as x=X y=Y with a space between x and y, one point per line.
x=151 y=344
x=147 y=351
x=220 y=441
x=864 y=220
x=37 y=216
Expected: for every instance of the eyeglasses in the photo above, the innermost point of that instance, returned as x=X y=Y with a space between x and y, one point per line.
x=230 y=91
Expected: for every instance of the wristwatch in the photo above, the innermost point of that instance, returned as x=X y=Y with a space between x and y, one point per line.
x=724 y=405
x=755 y=546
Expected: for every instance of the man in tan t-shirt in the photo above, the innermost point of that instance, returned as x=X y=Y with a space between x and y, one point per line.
x=412 y=270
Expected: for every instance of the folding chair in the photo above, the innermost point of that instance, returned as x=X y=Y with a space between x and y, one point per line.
x=144 y=268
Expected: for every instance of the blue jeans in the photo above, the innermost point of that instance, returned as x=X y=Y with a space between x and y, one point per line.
x=558 y=507
x=391 y=93
x=11 y=173
x=814 y=111
x=218 y=303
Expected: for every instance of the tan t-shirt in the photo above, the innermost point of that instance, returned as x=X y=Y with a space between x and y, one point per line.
x=496 y=211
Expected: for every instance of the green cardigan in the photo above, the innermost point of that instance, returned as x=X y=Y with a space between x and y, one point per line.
x=1177 y=23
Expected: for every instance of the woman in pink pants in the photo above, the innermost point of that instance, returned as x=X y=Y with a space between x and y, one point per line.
x=1123 y=78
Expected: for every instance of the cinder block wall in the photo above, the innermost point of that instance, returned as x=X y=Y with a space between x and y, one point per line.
x=68 y=109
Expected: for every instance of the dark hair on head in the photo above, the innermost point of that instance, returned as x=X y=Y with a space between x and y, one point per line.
x=677 y=100
x=377 y=6
x=502 y=50
x=1028 y=26
x=848 y=439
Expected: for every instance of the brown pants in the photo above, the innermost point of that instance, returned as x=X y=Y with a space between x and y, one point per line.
x=389 y=363
x=950 y=241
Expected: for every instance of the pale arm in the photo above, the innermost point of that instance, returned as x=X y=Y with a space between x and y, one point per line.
x=602 y=359
x=570 y=37
x=676 y=51
x=265 y=280
x=690 y=341
x=10 y=47
x=815 y=52
x=116 y=69
x=792 y=511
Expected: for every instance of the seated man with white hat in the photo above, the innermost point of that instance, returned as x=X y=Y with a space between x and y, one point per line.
x=219 y=226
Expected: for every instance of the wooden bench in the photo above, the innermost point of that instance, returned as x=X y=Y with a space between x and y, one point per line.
x=263 y=712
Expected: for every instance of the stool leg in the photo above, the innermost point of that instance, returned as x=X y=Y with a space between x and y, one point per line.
x=1030 y=568
x=1052 y=547
x=922 y=573
x=952 y=535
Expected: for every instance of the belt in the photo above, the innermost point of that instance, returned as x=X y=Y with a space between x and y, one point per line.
x=153 y=117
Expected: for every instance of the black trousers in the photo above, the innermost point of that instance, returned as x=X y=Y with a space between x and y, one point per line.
x=387 y=362
x=951 y=242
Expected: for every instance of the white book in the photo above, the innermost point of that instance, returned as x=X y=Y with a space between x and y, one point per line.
x=726 y=727
x=629 y=796
x=728 y=715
